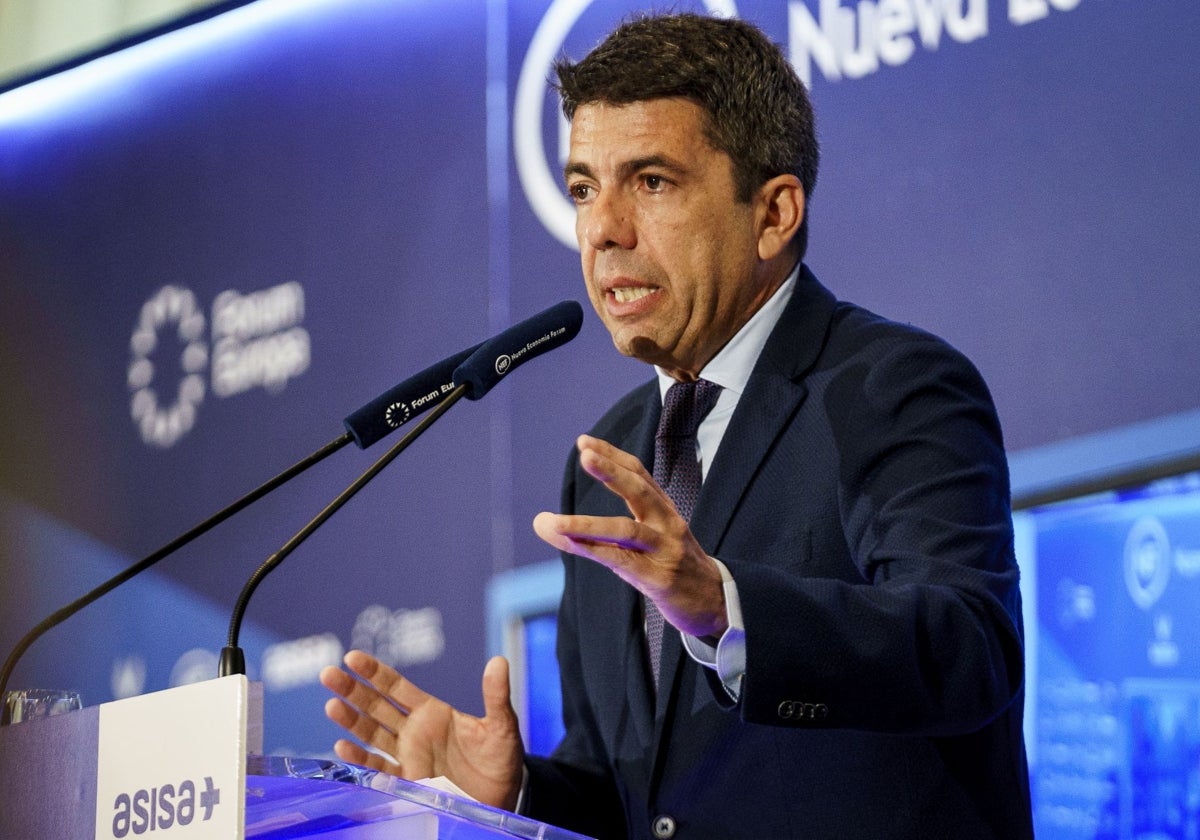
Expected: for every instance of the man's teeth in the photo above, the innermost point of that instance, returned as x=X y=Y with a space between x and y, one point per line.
x=626 y=294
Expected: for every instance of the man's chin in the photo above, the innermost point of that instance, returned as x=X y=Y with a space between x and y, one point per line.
x=637 y=347
x=646 y=349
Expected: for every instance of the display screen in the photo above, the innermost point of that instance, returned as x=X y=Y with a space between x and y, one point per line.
x=543 y=691
x=1113 y=707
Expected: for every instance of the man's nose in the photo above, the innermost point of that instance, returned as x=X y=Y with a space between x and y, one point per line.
x=608 y=222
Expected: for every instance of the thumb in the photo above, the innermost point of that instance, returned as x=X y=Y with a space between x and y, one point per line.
x=497 y=695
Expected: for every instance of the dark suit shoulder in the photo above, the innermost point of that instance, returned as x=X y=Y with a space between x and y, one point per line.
x=818 y=332
x=900 y=359
x=855 y=328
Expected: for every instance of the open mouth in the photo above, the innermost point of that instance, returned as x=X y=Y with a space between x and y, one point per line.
x=628 y=294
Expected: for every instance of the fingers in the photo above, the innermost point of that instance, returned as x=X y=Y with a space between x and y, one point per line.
x=365 y=728
x=379 y=691
x=586 y=535
x=374 y=706
x=385 y=680
x=420 y=735
x=625 y=545
x=615 y=541
x=360 y=707
x=497 y=694
x=626 y=476
x=654 y=551
x=352 y=753
x=601 y=447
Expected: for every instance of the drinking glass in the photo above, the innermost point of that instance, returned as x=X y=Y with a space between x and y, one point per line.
x=31 y=703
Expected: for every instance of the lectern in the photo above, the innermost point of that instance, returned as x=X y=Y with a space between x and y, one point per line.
x=185 y=763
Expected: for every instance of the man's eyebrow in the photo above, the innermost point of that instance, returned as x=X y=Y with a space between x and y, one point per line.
x=576 y=168
x=652 y=162
x=627 y=168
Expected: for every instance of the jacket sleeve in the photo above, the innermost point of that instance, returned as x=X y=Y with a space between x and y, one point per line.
x=917 y=630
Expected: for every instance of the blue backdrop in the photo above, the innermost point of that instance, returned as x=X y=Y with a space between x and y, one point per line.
x=216 y=244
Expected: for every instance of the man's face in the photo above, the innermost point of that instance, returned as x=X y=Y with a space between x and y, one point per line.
x=670 y=257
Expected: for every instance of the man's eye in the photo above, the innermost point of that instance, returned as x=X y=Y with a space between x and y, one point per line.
x=579 y=192
x=654 y=183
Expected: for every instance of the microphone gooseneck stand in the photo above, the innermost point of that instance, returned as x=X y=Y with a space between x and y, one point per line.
x=233 y=659
x=149 y=560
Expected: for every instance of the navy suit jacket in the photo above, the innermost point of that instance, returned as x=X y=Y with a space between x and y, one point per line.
x=860 y=499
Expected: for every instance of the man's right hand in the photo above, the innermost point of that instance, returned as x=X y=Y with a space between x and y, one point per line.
x=427 y=737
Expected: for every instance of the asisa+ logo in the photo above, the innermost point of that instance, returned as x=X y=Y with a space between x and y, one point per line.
x=164 y=807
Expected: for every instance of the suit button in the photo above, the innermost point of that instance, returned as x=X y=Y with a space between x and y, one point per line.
x=664 y=827
x=799 y=710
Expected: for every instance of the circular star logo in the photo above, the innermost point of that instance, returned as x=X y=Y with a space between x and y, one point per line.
x=397 y=414
x=170 y=328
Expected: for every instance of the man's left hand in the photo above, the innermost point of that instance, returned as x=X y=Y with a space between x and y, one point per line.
x=653 y=549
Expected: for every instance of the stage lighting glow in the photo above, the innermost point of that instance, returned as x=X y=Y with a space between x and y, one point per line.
x=112 y=78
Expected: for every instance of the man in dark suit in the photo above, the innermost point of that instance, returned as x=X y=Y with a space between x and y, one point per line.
x=823 y=528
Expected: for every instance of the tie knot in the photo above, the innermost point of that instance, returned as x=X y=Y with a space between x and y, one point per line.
x=685 y=406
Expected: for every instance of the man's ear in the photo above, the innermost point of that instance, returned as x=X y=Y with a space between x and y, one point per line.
x=781 y=212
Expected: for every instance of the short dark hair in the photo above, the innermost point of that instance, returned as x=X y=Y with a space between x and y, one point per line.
x=758 y=109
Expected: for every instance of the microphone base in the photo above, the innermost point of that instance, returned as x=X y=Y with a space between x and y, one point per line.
x=233 y=661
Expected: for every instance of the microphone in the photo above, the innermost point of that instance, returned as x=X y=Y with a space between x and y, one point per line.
x=485 y=365
x=482 y=366
x=401 y=403
x=496 y=357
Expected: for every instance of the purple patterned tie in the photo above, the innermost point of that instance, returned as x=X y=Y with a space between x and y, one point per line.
x=677 y=471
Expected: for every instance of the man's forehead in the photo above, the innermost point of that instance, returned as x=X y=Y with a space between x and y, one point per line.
x=671 y=129
x=648 y=113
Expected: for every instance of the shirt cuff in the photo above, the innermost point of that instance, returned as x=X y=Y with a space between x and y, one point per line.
x=520 y=806
x=728 y=656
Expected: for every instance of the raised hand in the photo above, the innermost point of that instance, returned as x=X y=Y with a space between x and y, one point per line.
x=425 y=736
x=652 y=549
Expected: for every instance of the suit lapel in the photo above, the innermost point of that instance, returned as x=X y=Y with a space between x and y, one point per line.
x=761 y=417
x=640 y=691
x=773 y=393
x=649 y=710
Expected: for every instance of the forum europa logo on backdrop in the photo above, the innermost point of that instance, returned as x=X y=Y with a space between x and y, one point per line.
x=257 y=340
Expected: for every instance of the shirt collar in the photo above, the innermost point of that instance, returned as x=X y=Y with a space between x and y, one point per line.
x=732 y=365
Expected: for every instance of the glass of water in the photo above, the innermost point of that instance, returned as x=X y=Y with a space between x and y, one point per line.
x=31 y=703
